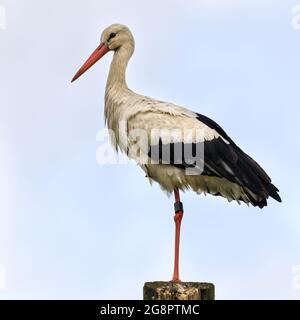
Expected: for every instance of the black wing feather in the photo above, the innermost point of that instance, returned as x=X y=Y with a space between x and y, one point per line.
x=221 y=159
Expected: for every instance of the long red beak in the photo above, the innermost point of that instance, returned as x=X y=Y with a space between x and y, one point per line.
x=94 y=57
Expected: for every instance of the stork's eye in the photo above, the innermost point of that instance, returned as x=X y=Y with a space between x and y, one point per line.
x=112 y=35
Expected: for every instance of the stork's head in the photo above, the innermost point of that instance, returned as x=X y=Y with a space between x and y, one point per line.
x=116 y=36
x=113 y=38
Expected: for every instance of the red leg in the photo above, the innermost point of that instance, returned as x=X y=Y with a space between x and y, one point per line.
x=177 y=218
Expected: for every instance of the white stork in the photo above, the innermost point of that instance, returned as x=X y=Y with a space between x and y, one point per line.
x=222 y=170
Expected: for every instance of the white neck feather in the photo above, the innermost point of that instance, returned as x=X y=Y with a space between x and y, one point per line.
x=116 y=85
x=117 y=72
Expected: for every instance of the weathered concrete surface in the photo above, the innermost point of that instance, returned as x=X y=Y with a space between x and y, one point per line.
x=161 y=290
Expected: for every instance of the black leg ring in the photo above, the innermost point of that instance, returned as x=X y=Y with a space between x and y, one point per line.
x=178 y=206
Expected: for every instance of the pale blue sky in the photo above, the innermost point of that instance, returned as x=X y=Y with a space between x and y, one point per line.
x=70 y=228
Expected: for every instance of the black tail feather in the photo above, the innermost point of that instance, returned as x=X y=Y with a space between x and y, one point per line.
x=273 y=192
